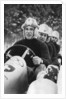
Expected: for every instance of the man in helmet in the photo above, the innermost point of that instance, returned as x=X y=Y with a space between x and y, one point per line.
x=56 y=47
x=43 y=35
x=29 y=31
x=50 y=43
x=55 y=39
x=55 y=36
x=43 y=32
x=40 y=49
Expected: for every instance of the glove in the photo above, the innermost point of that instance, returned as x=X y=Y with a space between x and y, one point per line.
x=37 y=60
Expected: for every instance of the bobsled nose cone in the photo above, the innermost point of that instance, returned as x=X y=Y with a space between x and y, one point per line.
x=42 y=86
x=15 y=80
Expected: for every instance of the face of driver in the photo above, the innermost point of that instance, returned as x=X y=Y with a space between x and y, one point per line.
x=43 y=37
x=29 y=32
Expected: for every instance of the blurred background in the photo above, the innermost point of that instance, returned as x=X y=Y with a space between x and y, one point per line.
x=15 y=15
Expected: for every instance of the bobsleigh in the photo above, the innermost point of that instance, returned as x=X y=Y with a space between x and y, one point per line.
x=17 y=60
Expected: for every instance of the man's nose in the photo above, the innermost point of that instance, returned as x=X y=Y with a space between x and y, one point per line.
x=42 y=36
x=29 y=30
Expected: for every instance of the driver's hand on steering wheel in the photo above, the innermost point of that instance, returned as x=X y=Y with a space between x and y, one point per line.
x=37 y=60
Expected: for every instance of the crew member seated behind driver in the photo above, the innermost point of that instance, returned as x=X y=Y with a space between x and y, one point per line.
x=40 y=49
x=43 y=34
x=54 y=42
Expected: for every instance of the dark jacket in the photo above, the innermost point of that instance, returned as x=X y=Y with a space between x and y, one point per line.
x=40 y=49
x=54 y=54
x=50 y=49
x=56 y=49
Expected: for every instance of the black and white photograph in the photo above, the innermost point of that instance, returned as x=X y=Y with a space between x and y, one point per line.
x=32 y=48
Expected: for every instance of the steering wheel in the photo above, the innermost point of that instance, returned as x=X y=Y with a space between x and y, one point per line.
x=20 y=50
